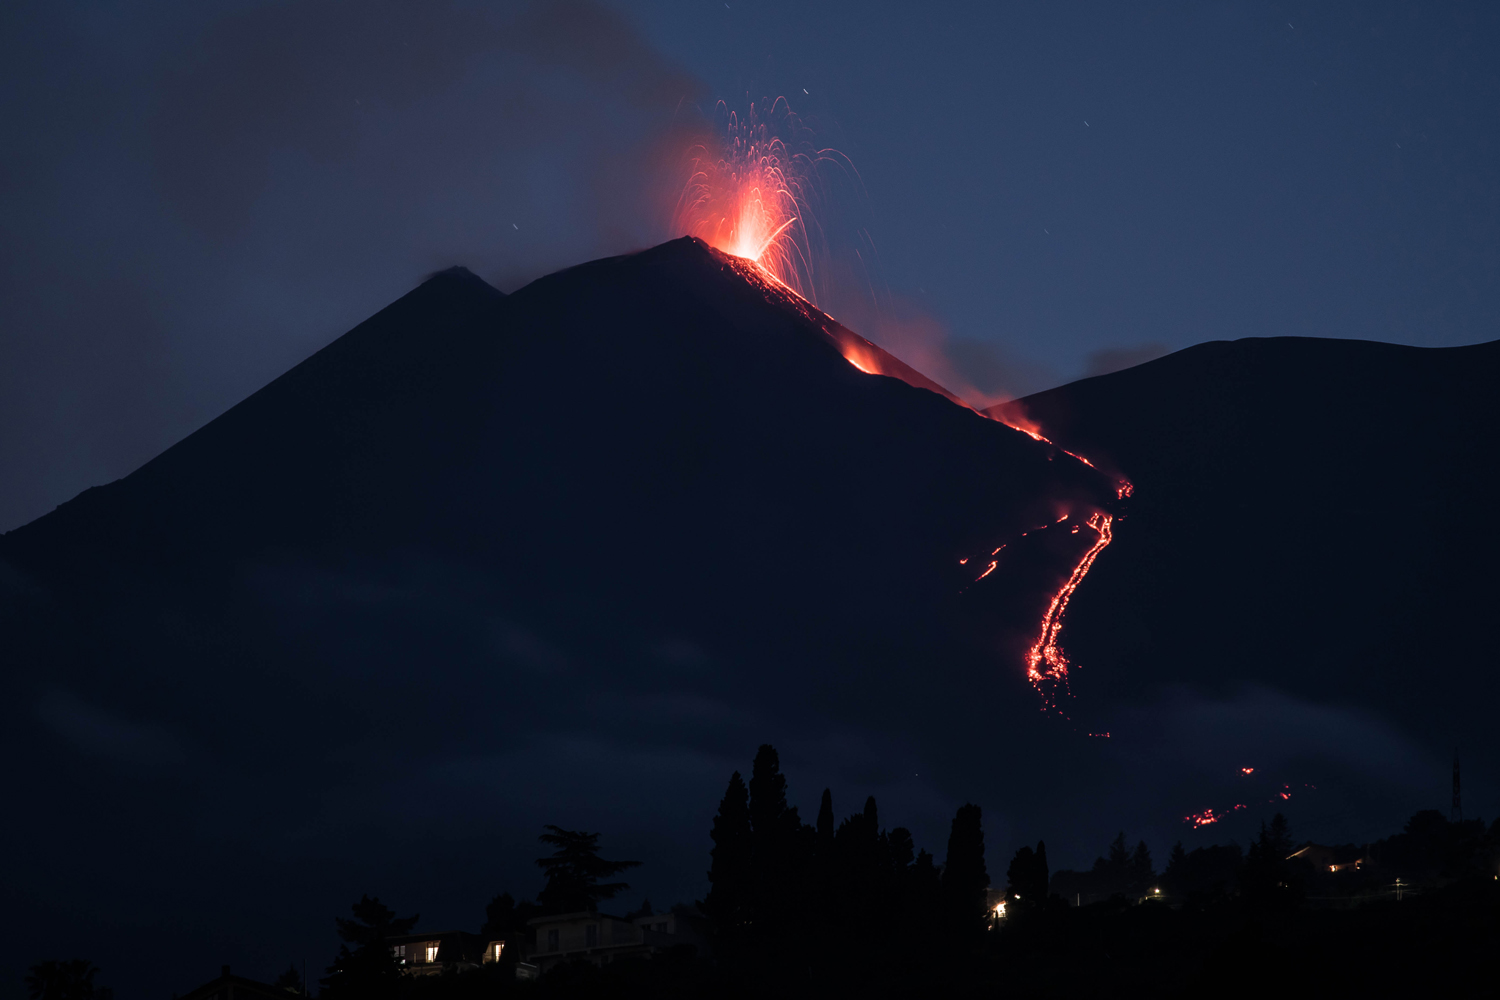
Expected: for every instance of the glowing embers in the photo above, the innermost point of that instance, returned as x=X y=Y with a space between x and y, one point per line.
x=1046 y=664
x=1209 y=816
x=749 y=193
x=1278 y=796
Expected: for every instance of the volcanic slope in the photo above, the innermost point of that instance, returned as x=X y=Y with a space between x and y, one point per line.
x=1310 y=516
x=490 y=561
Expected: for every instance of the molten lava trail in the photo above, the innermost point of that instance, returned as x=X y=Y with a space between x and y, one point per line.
x=1046 y=665
x=749 y=196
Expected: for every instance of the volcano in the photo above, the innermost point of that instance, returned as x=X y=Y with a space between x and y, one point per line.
x=1308 y=530
x=491 y=561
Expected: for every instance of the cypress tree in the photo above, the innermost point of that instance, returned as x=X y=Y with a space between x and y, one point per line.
x=777 y=869
x=825 y=816
x=965 y=878
x=730 y=872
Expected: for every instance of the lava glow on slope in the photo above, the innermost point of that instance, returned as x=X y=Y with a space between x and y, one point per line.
x=750 y=196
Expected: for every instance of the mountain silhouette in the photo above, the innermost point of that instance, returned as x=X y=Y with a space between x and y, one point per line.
x=490 y=561
x=1309 y=516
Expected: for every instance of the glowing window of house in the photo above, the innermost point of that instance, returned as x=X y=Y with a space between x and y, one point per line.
x=399 y=951
x=495 y=949
x=432 y=950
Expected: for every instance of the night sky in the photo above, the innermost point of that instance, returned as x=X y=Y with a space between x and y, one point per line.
x=195 y=197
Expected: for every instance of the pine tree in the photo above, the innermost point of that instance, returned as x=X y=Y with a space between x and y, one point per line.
x=290 y=980
x=368 y=969
x=1175 y=878
x=771 y=820
x=574 y=871
x=1041 y=873
x=1026 y=878
x=777 y=867
x=903 y=849
x=1142 y=872
x=730 y=872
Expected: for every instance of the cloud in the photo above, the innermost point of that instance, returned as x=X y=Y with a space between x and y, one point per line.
x=1263 y=728
x=315 y=76
x=102 y=733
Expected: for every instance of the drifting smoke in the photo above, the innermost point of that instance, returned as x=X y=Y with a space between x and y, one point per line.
x=207 y=197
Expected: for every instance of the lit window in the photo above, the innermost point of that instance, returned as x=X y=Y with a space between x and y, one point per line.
x=495 y=949
x=432 y=950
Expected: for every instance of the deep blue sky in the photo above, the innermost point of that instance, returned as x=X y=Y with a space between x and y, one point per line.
x=194 y=197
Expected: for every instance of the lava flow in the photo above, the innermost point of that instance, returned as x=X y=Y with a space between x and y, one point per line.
x=750 y=198
x=1046 y=666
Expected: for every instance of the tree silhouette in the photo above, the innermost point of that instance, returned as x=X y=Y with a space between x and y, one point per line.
x=368 y=969
x=1269 y=882
x=825 y=815
x=965 y=877
x=574 y=872
x=1142 y=871
x=1026 y=879
x=290 y=980
x=730 y=870
x=778 y=863
x=67 y=980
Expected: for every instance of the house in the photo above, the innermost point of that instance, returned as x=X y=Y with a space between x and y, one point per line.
x=601 y=938
x=228 y=987
x=433 y=953
x=1330 y=859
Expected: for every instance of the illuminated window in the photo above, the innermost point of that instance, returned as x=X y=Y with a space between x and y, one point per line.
x=432 y=953
x=399 y=951
x=495 y=949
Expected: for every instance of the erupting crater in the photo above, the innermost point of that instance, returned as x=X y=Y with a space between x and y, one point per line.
x=751 y=199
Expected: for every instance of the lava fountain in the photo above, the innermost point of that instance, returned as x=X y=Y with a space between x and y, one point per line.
x=751 y=190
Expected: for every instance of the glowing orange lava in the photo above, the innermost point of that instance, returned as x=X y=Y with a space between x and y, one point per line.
x=1209 y=816
x=750 y=197
x=1046 y=666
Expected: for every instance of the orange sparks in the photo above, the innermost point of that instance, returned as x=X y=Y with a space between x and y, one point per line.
x=1046 y=665
x=1247 y=770
x=987 y=571
x=750 y=196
